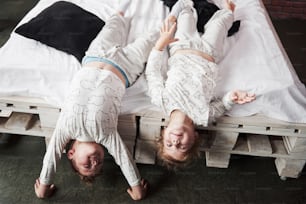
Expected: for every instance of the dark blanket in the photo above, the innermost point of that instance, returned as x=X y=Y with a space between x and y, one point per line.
x=205 y=11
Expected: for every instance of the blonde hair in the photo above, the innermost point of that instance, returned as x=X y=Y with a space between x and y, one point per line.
x=173 y=164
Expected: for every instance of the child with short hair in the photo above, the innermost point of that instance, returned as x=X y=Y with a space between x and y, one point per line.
x=91 y=109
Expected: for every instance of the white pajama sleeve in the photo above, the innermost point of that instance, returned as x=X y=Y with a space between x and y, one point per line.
x=154 y=77
x=123 y=158
x=53 y=155
x=217 y=107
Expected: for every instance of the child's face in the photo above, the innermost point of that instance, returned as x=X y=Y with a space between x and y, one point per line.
x=178 y=139
x=87 y=157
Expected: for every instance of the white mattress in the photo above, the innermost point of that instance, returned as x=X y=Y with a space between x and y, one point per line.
x=255 y=61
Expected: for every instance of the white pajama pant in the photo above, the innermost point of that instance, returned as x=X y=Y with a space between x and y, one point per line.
x=215 y=32
x=110 y=43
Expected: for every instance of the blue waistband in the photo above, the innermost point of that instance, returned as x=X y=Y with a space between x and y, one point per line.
x=87 y=59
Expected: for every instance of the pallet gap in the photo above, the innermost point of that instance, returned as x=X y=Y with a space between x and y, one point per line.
x=10 y=105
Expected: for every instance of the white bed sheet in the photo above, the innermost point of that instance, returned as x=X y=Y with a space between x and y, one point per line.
x=255 y=61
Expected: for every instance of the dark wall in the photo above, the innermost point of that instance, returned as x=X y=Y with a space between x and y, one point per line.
x=284 y=9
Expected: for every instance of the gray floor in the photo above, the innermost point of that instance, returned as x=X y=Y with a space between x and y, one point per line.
x=248 y=180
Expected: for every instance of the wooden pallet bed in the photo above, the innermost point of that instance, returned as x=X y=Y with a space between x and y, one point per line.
x=255 y=135
x=140 y=124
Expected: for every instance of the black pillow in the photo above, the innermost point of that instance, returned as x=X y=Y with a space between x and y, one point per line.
x=64 y=26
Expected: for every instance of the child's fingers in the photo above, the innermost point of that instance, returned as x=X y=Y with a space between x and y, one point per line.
x=163 y=27
x=52 y=187
x=37 y=183
x=251 y=95
x=241 y=97
x=129 y=190
x=36 y=187
x=173 y=28
x=145 y=186
x=245 y=100
x=166 y=24
x=144 y=183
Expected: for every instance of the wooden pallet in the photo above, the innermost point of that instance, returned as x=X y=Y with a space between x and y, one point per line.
x=33 y=116
x=256 y=135
x=41 y=117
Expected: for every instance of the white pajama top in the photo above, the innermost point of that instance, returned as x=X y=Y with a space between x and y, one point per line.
x=90 y=114
x=189 y=86
x=191 y=79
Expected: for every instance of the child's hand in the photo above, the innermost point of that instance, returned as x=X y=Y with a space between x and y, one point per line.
x=43 y=191
x=241 y=97
x=138 y=192
x=166 y=34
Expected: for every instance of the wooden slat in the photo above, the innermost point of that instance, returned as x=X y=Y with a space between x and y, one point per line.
x=149 y=128
x=217 y=159
x=19 y=121
x=127 y=118
x=5 y=113
x=278 y=146
x=289 y=167
x=145 y=152
x=241 y=145
x=224 y=140
x=26 y=105
x=34 y=130
x=26 y=100
x=49 y=119
x=260 y=120
x=127 y=131
x=296 y=144
x=130 y=144
x=259 y=144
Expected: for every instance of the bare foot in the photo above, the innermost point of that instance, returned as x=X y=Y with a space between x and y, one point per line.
x=230 y=5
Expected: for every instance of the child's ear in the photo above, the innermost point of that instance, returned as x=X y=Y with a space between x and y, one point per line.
x=70 y=154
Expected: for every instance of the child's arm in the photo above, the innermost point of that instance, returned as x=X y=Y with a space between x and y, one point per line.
x=166 y=34
x=155 y=63
x=154 y=77
x=43 y=185
x=217 y=107
x=122 y=157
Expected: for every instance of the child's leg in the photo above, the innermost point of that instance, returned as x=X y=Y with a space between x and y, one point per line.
x=186 y=29
x=124 y=4
x=215 y=32
x=114 y=33
x=179 y=6
x=137 y=53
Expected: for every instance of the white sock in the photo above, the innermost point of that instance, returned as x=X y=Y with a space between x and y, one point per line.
x=179 y=6
x=123 y=5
